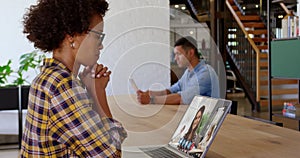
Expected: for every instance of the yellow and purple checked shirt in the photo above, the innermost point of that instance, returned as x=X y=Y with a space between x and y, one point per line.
x=60 y=121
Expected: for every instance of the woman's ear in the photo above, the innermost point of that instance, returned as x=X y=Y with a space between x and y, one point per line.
x=70 y=38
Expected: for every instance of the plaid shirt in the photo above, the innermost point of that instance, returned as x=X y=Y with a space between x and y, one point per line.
x=60 y=121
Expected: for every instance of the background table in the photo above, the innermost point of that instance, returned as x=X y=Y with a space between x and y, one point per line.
x=238 y=136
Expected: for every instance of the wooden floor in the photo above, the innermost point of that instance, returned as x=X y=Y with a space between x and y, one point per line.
x=244 y=109
x=9 y=153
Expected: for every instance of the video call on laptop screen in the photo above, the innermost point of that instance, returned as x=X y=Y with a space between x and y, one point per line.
x=198 y=125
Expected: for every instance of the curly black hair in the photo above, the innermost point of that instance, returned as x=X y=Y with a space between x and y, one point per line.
x=48 y=22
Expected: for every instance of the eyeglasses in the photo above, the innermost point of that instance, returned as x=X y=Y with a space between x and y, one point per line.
x=100 y=35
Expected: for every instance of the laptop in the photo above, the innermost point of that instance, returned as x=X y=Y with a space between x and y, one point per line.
x=195 y=132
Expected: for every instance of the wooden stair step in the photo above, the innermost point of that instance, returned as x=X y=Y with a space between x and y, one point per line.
x=278 y=82
x=264 y=92
x=262 y=47
x=235 y=8
x=277 y=102
x=264 y=64
x=231 y=2
x=263 y=56
x=249 y=18
x=263 y=73
x=254 y=24
x=258 y=39
x=239 y=13
x=258 y=32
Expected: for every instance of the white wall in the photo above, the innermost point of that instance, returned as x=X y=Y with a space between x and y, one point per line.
x=136 y=42
x=13 y=42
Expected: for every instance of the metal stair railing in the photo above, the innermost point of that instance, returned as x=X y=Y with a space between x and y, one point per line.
x=244 y=54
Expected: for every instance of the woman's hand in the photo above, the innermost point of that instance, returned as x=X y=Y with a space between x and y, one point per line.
x=95 y=77
x=101 y=75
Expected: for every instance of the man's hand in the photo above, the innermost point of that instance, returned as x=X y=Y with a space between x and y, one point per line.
x=143 y=97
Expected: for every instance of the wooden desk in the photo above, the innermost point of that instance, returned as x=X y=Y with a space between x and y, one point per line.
x=285 y=118
x=144 y=121
x=242 y=137
x=238 y=136
x=297 y=118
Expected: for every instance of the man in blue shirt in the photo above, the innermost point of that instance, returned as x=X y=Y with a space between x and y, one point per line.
x=198 y=79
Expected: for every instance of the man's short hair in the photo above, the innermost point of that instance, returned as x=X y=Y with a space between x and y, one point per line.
x=187 y=43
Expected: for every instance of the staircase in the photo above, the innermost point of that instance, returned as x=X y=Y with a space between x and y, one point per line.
x=255 y=30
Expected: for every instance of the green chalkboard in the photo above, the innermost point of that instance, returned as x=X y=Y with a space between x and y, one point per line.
x=285 y=58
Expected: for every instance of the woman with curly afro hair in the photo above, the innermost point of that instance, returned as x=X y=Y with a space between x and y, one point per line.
x=68 y=114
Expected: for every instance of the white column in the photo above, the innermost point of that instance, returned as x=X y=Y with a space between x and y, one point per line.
x=137 y=44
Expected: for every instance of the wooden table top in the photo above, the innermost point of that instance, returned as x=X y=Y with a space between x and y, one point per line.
x=238 y=136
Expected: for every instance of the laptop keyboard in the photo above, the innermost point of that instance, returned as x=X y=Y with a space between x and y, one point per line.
x=160 y=152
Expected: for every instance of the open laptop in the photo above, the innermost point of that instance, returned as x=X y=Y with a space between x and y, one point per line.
x=196 y=130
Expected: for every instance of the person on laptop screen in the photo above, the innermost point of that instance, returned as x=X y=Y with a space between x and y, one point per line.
x=202 y=145
x=187 y=142
x=198 y=79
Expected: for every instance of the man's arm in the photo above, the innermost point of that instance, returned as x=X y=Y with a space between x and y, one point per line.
x=146 y=97
x=158 y=97
x=170 y=99
x=159 y=93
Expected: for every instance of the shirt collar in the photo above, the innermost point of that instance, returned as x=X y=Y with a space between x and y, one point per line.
x=198 y=66
x=51 y=62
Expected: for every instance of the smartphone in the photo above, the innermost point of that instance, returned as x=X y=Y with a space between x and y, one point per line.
x=133 y=84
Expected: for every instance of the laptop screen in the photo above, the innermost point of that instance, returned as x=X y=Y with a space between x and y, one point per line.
x=199 y=125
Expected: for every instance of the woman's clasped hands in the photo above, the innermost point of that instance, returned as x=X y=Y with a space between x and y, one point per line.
x=96 y=76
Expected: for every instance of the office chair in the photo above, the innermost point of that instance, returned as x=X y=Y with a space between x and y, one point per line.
x=231 y=77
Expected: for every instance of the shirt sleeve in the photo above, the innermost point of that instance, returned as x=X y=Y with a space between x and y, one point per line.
x=200 y=84
x=188 y=94
x=74 y=123
x=175 y=87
